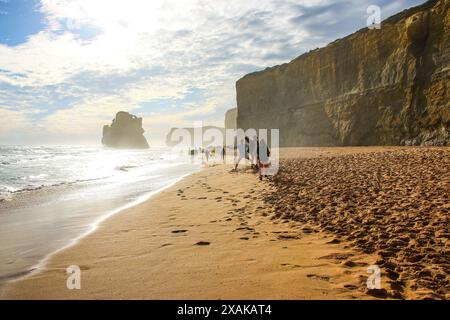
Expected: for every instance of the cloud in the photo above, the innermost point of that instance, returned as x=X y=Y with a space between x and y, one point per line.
x=12 y=120
x=95 y=58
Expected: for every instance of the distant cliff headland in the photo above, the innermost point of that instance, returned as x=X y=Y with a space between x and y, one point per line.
x=186 y=136
x=387 y=86
x=125 y=132
x=231 y=118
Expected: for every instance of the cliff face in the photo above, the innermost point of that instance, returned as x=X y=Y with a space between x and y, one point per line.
x=125 y=132
x=231 y=119
x=375 y=87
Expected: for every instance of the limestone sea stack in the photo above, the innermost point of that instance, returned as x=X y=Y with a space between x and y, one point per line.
x=387 y=86
x=125 y=132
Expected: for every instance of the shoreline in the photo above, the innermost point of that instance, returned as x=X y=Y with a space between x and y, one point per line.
x=91 y=227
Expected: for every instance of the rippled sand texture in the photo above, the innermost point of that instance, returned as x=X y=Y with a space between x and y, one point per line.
x=391 y=203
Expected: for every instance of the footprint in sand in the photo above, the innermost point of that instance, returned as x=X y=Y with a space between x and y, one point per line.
x=244 y=238
x=351 y=287
x=352 y=264
x=179 y=231
x=203 y=243
x=337 y=256
x=245 y=228
x=287 y=237
x=294 y=266
x=315 y=276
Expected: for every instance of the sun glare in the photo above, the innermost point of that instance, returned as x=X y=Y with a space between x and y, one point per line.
x=112 y=15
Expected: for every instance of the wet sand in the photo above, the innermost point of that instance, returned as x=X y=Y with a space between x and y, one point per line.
x=224 y=235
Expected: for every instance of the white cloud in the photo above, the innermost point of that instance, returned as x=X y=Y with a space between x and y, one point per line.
x=13 y=120
x=145 y=50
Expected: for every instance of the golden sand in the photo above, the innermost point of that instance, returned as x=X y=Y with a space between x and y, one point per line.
x=395 y=204
x=214 y=235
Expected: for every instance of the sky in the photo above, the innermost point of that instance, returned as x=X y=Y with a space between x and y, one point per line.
x=67 y=66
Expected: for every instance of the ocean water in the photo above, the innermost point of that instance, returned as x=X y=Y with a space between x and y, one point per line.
x=52 y=196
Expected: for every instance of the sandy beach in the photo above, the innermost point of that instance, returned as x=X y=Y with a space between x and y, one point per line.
x=219 y=234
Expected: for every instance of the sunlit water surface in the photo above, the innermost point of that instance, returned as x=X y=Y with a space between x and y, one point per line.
x=51 y=196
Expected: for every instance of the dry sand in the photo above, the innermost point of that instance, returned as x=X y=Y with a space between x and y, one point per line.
x=395 y=204
x=216 y=235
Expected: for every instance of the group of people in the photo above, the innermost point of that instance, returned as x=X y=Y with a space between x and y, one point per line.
x=207 y=153
x=257 y=152
x=254 y=150
x=213 y=151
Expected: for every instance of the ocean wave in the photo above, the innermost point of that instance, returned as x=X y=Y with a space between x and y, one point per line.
x=8 y=191
x=17 y=275
x=124 y=168
x=37 y=176
x=30 y=168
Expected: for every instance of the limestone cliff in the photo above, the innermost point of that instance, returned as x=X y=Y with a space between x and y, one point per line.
x=375 y=87
x=231 y=119
x=125 y=132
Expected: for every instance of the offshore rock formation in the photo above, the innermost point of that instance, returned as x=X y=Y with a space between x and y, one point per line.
x=375 y=87
x=125 y=132
x=231 y=119
x=207 y=135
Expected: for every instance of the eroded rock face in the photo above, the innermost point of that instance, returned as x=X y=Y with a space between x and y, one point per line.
x=231 y=119
x=375 y=87
x=125 y=132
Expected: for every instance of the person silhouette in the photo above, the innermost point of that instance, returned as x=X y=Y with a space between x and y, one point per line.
x=263 y=158
x=241 y=153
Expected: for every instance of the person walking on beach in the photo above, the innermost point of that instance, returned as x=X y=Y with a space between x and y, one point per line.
x=207 y=154
x=247 y=148
x=253 y=150
x=223 y=154
x=263 y=158
x=241 y=153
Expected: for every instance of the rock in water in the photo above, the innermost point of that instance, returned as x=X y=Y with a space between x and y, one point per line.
x=125 y=132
